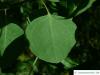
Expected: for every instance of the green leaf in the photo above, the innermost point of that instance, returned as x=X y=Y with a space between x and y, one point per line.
x=51 y=37
x=69 y=63
x=8 y=34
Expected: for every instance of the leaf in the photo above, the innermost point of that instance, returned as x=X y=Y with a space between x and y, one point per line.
x=69 y=63
x=68 y=7
x=51 y=37
x=9 y=33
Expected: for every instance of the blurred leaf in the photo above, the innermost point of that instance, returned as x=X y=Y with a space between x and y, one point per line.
x=23 y=57
x=82 y=6
x=23 y=68
x=74 y=7
x=71 y=6
x=90 y=2
x=9 y=33
x=51 y=37
x=69 y=63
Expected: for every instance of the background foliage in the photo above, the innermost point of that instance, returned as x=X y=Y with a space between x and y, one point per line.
x=19 y=59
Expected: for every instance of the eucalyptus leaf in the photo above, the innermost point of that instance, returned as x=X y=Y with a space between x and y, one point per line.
x=8 y=34
x=51 y=37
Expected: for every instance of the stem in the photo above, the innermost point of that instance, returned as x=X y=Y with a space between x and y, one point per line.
x=22 y=11
x=28 y=20
x=33 y=65
x=35 y=61
x=45 y=7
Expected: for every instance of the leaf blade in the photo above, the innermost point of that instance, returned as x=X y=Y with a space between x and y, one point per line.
x=9 y=33
x=48 y=36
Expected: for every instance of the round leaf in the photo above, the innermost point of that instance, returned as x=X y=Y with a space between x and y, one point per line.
x=51 y=37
